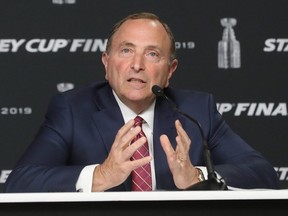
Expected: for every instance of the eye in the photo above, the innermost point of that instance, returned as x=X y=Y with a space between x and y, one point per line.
x=126 y=52
x=153 y=56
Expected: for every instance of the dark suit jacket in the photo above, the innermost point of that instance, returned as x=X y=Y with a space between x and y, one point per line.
x=80 y=127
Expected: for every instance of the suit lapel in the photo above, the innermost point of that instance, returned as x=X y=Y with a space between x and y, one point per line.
x=108 y=120
x=164 y=123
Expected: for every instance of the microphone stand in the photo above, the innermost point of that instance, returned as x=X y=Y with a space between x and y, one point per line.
x=212 y=183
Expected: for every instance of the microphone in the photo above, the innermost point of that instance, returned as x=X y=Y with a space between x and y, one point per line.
x=212 y=183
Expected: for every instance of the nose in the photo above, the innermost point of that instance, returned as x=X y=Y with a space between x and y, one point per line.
x=138 y=63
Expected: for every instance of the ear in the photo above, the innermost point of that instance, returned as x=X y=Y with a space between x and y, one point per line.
x=105 y=62
x=105 y=59
x=173 y=68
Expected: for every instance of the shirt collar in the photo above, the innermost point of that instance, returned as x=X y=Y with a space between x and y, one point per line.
x=147 y=115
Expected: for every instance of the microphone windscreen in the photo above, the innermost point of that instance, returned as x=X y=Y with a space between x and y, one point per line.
x=157 y=90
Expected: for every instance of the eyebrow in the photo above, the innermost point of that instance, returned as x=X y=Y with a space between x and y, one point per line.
x=125 y=43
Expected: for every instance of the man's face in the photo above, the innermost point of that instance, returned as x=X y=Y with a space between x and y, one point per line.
x=139 y=58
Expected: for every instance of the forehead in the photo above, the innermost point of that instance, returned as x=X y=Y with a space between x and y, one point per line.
x=142 y=30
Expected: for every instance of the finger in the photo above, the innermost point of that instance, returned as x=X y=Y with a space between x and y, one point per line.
x=125 y=128
x=140 y=162
x=183 y=140
x=130 y=135
x=126 y=134
x=167 y=147
x=181 y=132
x=129 y=151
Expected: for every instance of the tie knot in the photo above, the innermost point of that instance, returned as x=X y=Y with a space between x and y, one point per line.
x=138 y=121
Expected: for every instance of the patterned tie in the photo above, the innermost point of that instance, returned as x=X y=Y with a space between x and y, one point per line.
x=141 y=177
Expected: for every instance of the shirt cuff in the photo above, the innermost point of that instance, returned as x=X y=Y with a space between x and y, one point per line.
x=84 y=182
x=205 y=173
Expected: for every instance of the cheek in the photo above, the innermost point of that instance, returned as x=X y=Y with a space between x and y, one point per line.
x=115 y=70
x=162 y=76
x=111 y=68
x=117 y=65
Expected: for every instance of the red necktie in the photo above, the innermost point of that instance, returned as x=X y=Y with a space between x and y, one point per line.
x=141 y=177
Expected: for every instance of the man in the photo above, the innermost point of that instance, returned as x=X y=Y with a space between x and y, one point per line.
x=85 y=143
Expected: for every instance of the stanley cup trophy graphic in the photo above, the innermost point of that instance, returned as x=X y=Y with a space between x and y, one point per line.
x=229 y=47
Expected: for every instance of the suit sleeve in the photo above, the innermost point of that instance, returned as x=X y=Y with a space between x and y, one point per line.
x=237 y=162
x=45 y=165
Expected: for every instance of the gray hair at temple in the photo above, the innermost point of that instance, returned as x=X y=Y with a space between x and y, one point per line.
x=143 y=15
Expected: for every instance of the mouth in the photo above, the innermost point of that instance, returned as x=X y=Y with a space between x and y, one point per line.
x=134 y=80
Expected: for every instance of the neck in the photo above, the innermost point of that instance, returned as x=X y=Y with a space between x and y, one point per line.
x=136 y=106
